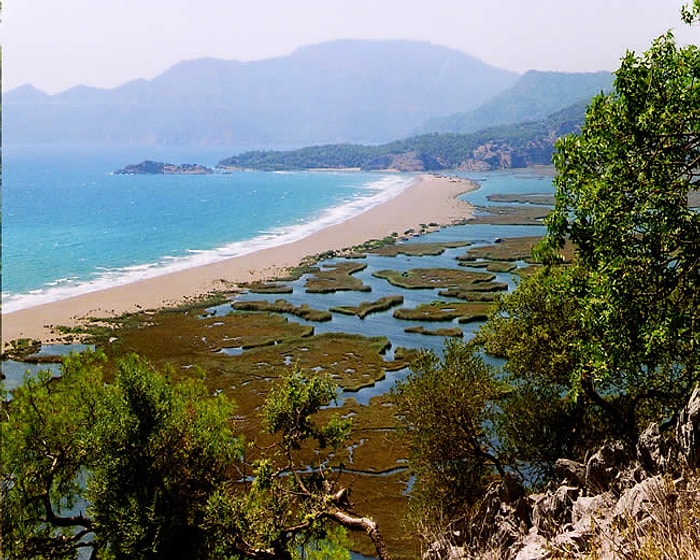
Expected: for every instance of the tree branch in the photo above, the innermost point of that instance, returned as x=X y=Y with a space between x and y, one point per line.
x=365 y=524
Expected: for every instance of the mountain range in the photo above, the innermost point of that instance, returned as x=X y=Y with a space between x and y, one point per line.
x=348 y=90
x=501 y=147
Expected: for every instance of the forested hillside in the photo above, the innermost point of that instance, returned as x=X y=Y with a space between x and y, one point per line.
x=511 y=146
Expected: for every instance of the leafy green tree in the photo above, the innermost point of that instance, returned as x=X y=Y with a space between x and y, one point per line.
x=447 y=408
x=600 y=348
x=622 y=198
x=536 y=329
x=161 y=450
x=124 y=469
x=690 y=13
x=44 y=444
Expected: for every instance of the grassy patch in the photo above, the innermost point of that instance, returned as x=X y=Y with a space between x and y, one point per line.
x=510 y=215
x=418 y=249
x=426 y=278
x=337 y=277
x=463 y=312
x=367 y=307
x=540 y=199
x=269 y=288
x=511 y=249
x=452 y=331
x=490 y=266
x=21 y=348
x=468 y=295
x=283 y=306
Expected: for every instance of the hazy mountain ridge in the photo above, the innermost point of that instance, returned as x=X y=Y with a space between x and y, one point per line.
x=357 y=91
x=534 y=96
x=508 y=146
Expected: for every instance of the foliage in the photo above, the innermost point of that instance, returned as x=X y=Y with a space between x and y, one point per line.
x=446 y=408
x=123 y=463
x=598 y=348
x=690 y=13
x=602 y=347
x=289 y=407
x=622 y=198
x=536 y=329
x=45 y=440
x=293 y=493
x=125 y=469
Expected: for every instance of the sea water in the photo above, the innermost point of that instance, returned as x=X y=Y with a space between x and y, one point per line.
x=70 y=225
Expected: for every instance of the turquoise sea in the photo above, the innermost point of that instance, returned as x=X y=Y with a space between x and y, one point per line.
x=69 y=225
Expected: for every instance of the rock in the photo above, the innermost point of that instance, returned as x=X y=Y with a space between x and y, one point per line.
x=633 y=504
x=651 y=452
x=553 y=510
x=534 y=547
x=570 y=472
x=503 y=518
x=588 y=510
x=688 y=431
x=598 y=507
x=604 y=466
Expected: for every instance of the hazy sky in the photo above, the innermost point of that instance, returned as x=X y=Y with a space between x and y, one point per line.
x=56 y=44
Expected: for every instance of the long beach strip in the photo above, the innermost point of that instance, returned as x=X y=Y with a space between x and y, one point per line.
x=429 y=199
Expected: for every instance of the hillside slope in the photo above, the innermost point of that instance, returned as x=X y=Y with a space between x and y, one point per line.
x=534 y=96
x=511 y=146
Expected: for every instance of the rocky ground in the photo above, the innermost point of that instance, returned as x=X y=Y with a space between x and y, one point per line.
x=620 y=503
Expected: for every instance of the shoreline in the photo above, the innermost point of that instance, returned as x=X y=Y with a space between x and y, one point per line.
x=429 y=199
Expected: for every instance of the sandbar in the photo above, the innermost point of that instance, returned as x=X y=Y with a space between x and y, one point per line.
x=429 y=199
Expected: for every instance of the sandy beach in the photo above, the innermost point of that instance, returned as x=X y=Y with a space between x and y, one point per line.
x=429 y=199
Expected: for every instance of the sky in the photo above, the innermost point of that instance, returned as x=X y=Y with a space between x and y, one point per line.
x=57 y=44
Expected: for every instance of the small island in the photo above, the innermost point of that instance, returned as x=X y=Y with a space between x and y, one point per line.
x=148 y=167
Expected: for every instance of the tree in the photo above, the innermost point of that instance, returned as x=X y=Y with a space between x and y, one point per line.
x=125 y=469
x=537 y=329
x=44 y=443
x=622 y=198
x=446 y=408
x=690 y=13
x=600 y=348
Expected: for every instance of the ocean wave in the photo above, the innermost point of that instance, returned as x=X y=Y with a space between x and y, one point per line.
x=375 y=192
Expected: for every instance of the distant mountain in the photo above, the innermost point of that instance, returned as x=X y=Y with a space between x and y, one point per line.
x=503 y=147
x=356 y=91
x=534 y=96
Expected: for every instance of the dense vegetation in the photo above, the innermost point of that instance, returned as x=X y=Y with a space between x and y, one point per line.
x=116 y=459
x=599 y=348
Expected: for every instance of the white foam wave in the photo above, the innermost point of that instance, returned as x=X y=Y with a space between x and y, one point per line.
x=378 y=191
